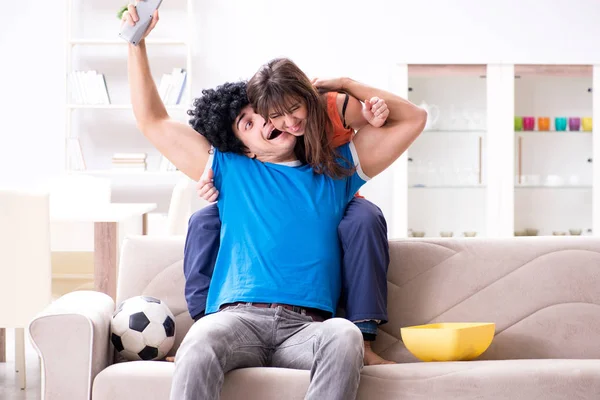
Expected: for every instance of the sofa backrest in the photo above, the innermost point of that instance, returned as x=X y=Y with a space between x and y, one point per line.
x=543 y=293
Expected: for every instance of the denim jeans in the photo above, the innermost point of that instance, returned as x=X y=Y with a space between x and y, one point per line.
x=246 y=336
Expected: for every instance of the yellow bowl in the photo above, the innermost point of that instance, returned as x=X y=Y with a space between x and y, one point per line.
x=453 y=341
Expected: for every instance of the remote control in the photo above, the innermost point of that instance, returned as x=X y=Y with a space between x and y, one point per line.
x=145 y=9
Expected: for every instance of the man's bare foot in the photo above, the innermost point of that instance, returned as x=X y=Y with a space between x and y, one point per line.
x=170 y=359
x=373 y=359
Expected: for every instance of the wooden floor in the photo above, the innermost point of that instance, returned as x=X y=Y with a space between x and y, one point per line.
x=9 y=382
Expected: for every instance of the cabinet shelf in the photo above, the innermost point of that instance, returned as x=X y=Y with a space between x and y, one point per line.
x=562 y=187
x=554 y=70
x=428 y=70
x=553 y=132
x=455 y=131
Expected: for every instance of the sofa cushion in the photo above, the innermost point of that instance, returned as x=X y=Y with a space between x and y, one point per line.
x=542 y=293
x=510 y=379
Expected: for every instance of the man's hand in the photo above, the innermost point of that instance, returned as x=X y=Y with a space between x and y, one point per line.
x=131 y=17
x=206 y=188
x=375 y=111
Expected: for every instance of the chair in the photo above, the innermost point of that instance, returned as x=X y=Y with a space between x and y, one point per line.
x=184 y=202
x=25 y=271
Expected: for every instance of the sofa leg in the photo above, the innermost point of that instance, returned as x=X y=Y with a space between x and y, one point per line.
x=20 y=356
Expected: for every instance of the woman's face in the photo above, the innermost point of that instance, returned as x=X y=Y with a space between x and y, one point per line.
x=293 y=121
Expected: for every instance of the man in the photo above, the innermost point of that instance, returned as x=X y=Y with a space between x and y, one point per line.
x=364 y=267
x=274 y=285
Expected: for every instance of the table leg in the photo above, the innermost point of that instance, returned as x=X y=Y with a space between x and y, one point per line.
x=145 y=224
x=105 y=258
x=2 y=345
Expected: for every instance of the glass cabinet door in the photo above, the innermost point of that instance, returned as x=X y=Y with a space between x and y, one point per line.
x=553 y=150
x=446 y=189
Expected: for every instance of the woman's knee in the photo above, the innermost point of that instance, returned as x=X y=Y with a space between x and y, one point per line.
x=205 y=219
x=364 y=216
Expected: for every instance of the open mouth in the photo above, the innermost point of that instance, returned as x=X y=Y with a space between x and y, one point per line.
x=274 y=134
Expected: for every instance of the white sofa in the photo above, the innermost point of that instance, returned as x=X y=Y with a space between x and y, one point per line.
x=543 y=293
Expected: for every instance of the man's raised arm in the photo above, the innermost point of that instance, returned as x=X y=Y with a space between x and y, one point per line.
x=378 y=148
x=180 y=143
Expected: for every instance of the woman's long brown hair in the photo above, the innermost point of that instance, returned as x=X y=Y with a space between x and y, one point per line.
x=275 y=88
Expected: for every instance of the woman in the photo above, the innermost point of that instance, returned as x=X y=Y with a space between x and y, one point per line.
x=282 y=93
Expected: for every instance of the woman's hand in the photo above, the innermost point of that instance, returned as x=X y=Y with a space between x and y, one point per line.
x=375 y=111
x=206 y=189
x=131 y=17
x=328 y=84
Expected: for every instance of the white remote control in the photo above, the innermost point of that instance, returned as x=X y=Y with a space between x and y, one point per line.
x=145 y=9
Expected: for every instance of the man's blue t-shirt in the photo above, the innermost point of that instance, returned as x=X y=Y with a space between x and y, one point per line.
x=279 y=240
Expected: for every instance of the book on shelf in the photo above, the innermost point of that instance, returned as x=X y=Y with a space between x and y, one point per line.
x=171 y=86
x=129 y=156
x=88 y=87
x=129 y=162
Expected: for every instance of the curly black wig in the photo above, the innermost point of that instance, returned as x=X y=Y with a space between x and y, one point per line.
x=214 y=113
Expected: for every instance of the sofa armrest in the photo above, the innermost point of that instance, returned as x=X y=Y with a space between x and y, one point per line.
x=72 y=338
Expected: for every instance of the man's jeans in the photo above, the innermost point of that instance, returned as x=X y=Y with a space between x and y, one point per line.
x=245 y=336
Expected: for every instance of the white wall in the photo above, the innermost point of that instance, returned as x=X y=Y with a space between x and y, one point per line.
x=32 y=92
x=233 y=37
x=340 y=33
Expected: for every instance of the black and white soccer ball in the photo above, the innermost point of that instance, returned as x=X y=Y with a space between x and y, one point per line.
x=143 y=328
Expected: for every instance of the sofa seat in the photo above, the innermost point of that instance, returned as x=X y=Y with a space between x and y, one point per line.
x=498 y=379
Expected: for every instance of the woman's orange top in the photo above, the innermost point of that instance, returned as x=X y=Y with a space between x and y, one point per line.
x=341 y=134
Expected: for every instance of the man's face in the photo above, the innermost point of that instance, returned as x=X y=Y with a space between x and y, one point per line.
x=261 y=138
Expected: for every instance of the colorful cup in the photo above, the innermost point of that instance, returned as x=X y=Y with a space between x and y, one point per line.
x=543 y=124
x=574 y=123
x=518 y=123
x=586 y=124
x=528 y=123
x=560 y=123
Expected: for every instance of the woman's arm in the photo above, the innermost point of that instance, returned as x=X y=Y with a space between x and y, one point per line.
x=357 y=114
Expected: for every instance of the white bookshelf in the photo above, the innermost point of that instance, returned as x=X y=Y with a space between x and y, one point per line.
x=92 y=43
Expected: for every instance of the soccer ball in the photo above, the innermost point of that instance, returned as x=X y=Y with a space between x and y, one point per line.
x=143 y=328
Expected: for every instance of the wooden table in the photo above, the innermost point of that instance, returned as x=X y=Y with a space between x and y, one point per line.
x=106 y=220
